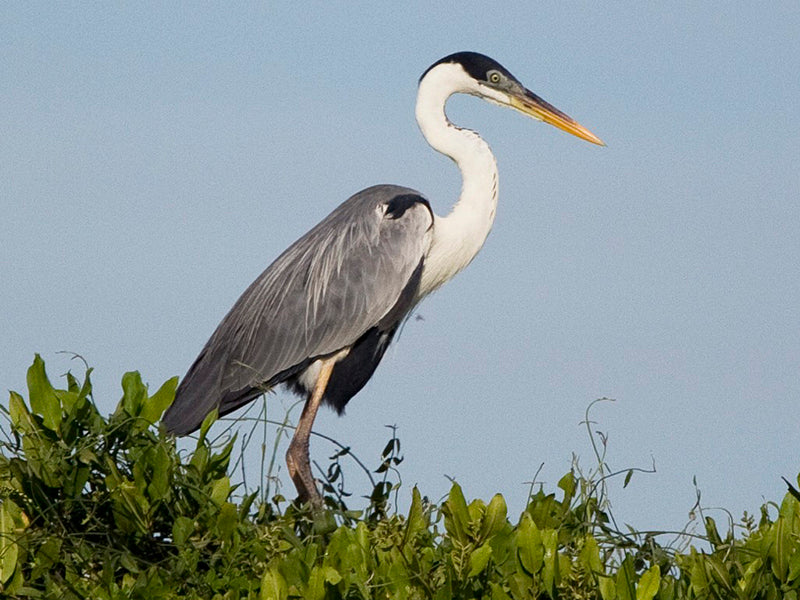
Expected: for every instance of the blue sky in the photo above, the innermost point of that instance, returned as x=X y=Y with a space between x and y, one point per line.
x=155 y=159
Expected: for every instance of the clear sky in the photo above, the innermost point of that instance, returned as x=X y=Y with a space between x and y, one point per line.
x=154 y=159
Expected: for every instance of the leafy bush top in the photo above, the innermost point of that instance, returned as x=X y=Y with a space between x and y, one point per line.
x=95 y=507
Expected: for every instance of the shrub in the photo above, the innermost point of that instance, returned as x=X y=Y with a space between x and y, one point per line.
x=95 y=507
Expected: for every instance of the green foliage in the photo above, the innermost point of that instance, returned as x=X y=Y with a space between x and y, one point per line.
x=108 y=508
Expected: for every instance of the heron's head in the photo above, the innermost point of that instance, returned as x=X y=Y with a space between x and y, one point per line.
x=478 y=75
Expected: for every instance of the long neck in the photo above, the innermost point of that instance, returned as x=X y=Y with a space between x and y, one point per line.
x=459 y=236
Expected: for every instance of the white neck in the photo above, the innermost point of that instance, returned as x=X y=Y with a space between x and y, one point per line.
x=459 y=236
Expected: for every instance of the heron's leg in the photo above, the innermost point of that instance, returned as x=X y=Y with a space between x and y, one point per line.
x=297 y=455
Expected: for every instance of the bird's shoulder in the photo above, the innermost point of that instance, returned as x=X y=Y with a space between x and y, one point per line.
x=385 y=201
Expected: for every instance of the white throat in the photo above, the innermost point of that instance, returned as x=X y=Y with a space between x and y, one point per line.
x=459 y=236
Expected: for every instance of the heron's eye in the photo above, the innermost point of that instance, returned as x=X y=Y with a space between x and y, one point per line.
x=495 y=77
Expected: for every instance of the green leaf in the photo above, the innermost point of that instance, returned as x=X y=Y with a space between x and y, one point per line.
x=479 y=559
x=227 y=520
x=712 y=533
x=628 y=476
x=790 y=507
x=206 y=425
x=416 y=521
x=20 y=417
x=716 y=569
x=320 y=575
x=476 y=510
x=567 y=483
x=590 y=555
x=220 y=490
x=134 y=393
x=160 y=465
x=9 y=550
x=86 y=388
x=550 y=570
x=494 y=518
x=698 y=575
x=530 y=552
x=199 y=459
x=182 y=529
x=218 y=462
x=498 y=593
x=779 y=553
x=456 y=515
x=155 y=406
x=626 y=578
x=649 y=583
x=72 y=383
x=608 y=589
x=48 y=552
x=751 y=579
x=324 y=522
x=75 y=394
x=43 y=399
x=128 y=560
x=332 y=576
x=129 y=507
x=273 y=586
x=794 y=566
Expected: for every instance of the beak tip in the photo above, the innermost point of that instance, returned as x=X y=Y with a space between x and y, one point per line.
x=588 y=136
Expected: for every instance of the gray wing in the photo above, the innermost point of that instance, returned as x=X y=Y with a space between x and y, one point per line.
x=321 y=295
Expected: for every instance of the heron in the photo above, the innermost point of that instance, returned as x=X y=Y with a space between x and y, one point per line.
x=319 y=319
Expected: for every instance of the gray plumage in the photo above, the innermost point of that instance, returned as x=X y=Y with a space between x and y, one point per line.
x=347 y=283
x=320 y=318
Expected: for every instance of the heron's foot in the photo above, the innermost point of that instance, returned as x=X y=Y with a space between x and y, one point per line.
x=300 y=471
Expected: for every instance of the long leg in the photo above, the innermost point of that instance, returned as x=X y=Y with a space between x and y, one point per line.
x=297 y=454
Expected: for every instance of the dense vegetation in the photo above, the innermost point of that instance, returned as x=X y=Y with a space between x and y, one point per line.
x=95 y=507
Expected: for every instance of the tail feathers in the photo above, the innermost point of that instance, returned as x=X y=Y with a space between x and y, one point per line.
x=196 y=396
x=201 y=391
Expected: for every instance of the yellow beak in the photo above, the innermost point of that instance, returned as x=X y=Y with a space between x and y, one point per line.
x=530 y=104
